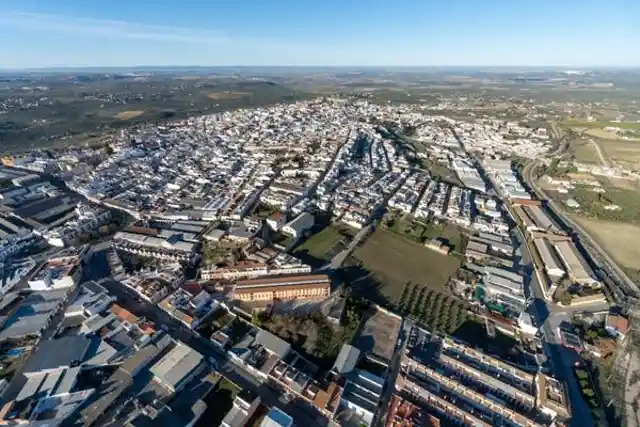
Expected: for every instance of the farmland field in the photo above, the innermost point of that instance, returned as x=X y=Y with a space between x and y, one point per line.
x=618 y=239
x=395 y=261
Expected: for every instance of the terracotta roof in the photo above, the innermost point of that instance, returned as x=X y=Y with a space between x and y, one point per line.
x=192 y=288
x=302 y=278
x=621 y=324
x=123 y=314
x=267 y=288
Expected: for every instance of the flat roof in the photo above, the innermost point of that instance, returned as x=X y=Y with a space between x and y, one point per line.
x=56 y=353
x=176 y=365
x=378 y=334
x=283 y=280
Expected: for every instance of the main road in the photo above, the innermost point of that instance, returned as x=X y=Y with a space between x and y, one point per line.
x=549 y=317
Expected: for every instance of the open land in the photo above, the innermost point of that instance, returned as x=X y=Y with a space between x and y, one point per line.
x=605 y=134
x=600 y=124
x=593 y=205
x=57 y=111
x=585 y=152
x=396 y=261
x=226 y=95
x=620 y=240
x=324 y=244
x=130 y=114
x=422 y=232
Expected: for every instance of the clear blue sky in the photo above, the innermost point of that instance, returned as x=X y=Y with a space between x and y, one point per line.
x=47 y=33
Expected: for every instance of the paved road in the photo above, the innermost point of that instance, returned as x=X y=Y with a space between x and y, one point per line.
x=233 y=372
x=549 y=317
x=562 y=359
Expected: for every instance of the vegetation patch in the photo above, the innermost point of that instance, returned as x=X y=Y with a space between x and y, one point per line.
x=312 y=334
x=438 y=311
x=615 y=204
x=226 y=95
x=322 y=246
x=422 y=232
x=219 y=401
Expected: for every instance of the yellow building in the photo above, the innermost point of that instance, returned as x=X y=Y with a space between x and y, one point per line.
x=283 y=288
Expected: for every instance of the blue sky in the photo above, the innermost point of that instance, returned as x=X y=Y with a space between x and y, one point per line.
x=53 y=33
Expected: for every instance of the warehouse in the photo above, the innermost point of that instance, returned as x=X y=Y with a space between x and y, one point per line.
x=541 y=218
x=552 y=264
x=578 y=271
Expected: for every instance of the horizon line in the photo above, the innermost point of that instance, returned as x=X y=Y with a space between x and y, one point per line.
x=444 y=66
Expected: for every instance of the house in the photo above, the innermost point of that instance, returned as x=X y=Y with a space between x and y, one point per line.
x=244 y=406
x=277 y=220
x=616 y=325
x=57 y=273
x=299 y=225
x=277 y=418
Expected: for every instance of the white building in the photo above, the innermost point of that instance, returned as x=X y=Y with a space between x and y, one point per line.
x=299 y=225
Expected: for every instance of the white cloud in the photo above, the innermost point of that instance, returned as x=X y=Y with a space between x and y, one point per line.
x=109 y=28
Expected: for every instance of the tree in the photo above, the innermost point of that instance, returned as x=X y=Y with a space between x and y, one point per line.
x=417 y=307
x=255 y=319
x=403 y=298
x=412 y=300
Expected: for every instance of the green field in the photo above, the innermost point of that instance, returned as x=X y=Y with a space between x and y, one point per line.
x=321 y=245
x=600 y=124
x=592 y=204
x=395 y=260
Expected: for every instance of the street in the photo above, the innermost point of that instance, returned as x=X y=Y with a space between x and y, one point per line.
x=562 y=358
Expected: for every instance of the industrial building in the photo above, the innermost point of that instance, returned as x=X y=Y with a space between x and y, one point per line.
x=552 y=264
x=576 y=266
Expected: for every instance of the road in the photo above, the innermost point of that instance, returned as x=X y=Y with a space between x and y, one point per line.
x=233 y=372
x=548 y=317
x=562 y=358
x=603 y=160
